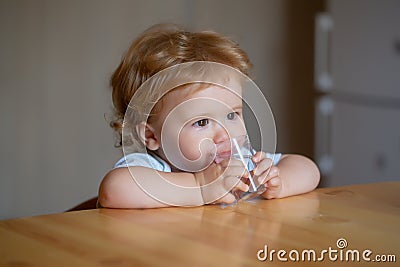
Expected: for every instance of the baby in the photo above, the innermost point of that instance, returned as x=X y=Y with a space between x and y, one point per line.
x=178 y=103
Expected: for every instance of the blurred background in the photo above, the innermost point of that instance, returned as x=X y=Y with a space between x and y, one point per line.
x=329 y=69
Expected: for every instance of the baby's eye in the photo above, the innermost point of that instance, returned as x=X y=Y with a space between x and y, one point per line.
x=201 y=123
x=232 y=115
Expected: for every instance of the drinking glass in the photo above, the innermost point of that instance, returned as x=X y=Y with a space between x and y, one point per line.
x=241 y=149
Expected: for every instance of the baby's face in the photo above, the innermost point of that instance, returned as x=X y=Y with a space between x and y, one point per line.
x=192 y=126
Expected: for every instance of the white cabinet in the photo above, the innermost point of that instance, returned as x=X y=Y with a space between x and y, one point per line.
x=358 y=110
x=365 y=47
x=365 y=143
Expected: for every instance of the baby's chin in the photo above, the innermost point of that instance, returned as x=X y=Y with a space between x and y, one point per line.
x=219 y=159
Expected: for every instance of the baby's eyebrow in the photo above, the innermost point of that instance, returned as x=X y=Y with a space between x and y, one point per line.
x=202 y=116
x=237 y=107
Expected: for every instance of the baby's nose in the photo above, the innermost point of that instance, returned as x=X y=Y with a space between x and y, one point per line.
x=220 y=134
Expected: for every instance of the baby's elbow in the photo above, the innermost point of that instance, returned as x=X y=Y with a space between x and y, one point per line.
x=315 y=173
x=105 y=198
x=112 y=189
x=119 y=190
x=106 y=191
x=311 y=171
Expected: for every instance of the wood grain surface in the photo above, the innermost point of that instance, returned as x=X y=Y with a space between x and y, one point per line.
x=366 y=217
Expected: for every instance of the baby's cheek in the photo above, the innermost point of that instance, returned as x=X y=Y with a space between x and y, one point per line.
x=190 y=154
x=192 y=149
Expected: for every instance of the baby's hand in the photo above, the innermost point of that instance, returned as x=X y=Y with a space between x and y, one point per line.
x=218 y=181
x=267 y=174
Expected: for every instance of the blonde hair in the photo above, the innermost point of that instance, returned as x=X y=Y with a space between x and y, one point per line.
x=163 y=46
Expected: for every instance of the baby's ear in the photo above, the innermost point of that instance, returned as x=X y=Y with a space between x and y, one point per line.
x=147 y=135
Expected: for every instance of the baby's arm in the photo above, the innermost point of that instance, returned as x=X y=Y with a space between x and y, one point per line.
x=119 y=190
x=293 y=175
x=299 y=175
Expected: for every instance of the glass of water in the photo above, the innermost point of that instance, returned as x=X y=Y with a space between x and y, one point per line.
x=242 y=150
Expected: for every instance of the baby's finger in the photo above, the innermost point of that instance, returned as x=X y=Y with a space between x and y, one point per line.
x=274 y=182
x=262 y=166
x=274 y=187
x=236 y=171
x=231 y=162
x=268 y=174
x=227 y=199
x=273 y=171
x=232 y=182
x=260 y=155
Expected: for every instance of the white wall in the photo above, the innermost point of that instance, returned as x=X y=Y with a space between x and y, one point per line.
x=56 y=58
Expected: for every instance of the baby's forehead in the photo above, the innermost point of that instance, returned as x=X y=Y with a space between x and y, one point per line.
x=188 y=101
x=201 y=89
x=193 y=97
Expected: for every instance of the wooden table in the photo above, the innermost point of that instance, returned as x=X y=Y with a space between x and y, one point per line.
x=364 y=216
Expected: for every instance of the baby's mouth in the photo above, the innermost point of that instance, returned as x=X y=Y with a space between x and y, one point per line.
x=220 y=156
